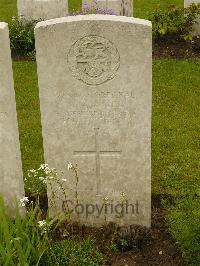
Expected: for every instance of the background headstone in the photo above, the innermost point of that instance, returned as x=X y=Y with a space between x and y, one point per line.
x=11 y=179
x=42 y=9
x=95 y=93
x=126 y=8
x=187 y=3
x=120 y=7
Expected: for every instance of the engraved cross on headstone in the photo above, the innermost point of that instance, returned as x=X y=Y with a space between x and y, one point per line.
x=97 y=152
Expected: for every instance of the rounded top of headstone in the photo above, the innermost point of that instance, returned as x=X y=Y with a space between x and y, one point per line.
x=94 y=17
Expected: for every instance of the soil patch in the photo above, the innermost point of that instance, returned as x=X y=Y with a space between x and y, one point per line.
x=160 y=249
x=154 y=246
x=177 y=49
x=148 y=247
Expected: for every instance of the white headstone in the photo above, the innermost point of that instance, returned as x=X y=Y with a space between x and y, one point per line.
x=42 y=9
x=11 y=179
x=187 y=3
x=120 y=7
x=95 y=93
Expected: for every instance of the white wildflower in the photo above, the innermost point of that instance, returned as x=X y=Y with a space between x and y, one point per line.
x=69 y=166
x=23 y=201
x=32 y=171
x=45 y=181
x=64 y=179
x=42 y=223
x=43 y=226
x=47 y=171
x=43 y=166
x=123 y=195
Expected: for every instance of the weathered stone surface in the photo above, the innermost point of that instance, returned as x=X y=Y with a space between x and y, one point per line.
x=95 y=92
x=11 y=180
x=120 y=7
x=126 y=8
x=197 y=25
x=42 y=9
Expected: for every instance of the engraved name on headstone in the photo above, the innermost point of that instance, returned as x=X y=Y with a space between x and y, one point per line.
x=94 y=76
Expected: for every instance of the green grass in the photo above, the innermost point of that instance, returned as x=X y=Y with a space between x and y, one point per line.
x=8 y=9
x=175 y=131
x=175 y=140
x=183 y=220
x=73 y=253
x=142 y=8
x=75 y=5
x=175 y=135
x=28 y=110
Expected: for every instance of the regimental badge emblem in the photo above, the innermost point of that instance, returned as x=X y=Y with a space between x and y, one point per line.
x=94 y=60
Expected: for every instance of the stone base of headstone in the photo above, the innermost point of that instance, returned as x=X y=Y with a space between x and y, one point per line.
x=187 y=3
x=42 y=9
x=119 y=7
x=11 y=178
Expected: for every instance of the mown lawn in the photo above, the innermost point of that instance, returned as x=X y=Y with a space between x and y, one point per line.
x=27 y=99
x=142 y=8
x=175 y=141
x=8 y=9
x=175 y=128
x=176 y=131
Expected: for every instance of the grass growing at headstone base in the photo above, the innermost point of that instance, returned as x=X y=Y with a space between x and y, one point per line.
x=28 y=111
x=176 y=149
x=175 y=140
